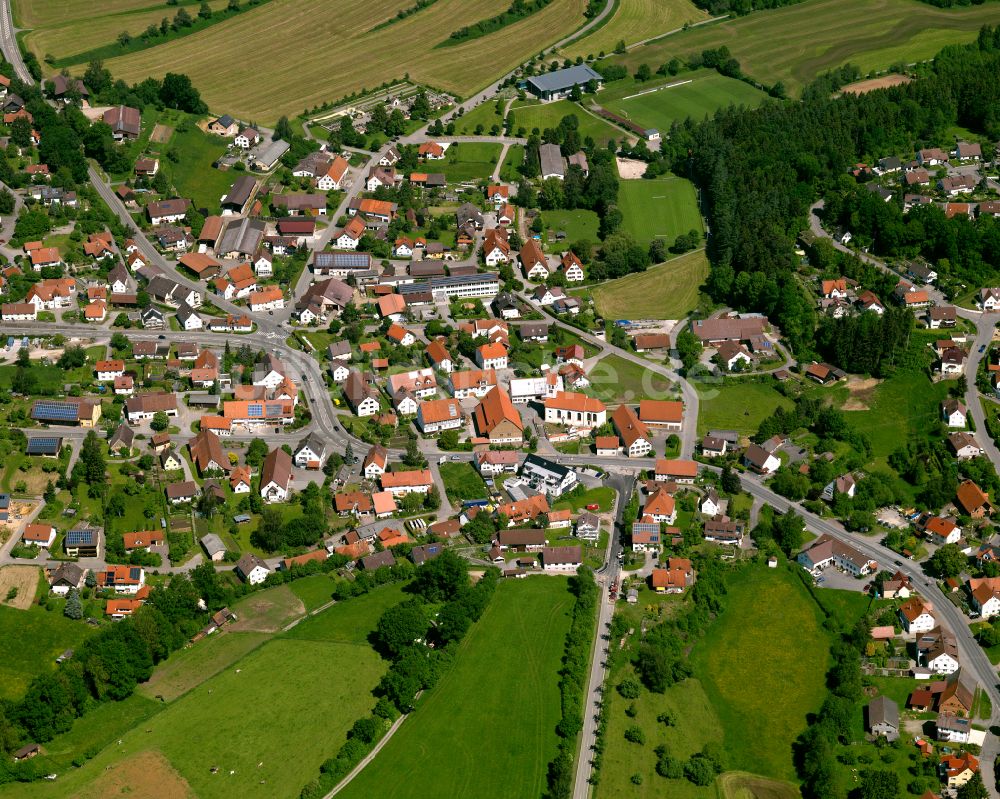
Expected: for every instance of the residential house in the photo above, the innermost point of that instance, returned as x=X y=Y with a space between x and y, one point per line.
x=252 y=569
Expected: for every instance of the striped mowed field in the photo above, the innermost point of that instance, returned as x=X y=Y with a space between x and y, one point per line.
x=694 y=94
x=795 y=43
x=67 y=37
x=634 y=21
x=305 y=52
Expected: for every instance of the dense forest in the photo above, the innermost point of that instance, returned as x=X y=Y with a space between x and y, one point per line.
x=761 y=169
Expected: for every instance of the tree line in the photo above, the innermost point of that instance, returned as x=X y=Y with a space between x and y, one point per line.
x=419 y=646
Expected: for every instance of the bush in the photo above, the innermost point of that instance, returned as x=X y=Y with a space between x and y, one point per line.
x=634 y=734
x=629 y=688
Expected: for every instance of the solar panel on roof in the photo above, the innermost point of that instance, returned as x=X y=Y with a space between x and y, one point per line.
x=274 y=409
x=254 y=409
x=43 y=445
x=78 y=537
x=134 y=572
x=58 y=411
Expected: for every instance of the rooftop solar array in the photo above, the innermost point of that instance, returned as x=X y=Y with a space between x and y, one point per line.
x=43 y=445
x=79 y=537
x=55 y=411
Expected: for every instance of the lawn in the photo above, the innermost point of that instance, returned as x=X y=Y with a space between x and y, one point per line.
x=577 y=224
x=743 y=671
x=462 y=481
x=736 y=406
x=661 y=208
x=602 y=495
x=694 y=94
x=487 y=729
x=532 y=114
x=514 y=159
x=468 y=161
x=636 y=20
x=795 y=43
x=299 y=77
x=615 y=380
x=193 y=175
x=487 y=114
x=666 y=291
x=267 y=611
x=32 y=640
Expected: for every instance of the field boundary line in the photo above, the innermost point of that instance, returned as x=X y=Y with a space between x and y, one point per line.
x=657 y=89
x=659 y=36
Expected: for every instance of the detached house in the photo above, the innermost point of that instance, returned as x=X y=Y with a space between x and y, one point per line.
x=633 y=433
x=276 y=476
x=916 y=616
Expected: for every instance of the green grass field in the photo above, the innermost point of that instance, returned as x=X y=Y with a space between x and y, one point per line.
x=633 y=21
x=576 y=224
x=795 y=43
x=514 y=159
x=33 y=639
x=348 y=622
x=531 y=114
x=300 y=77
x=661 y=208
x=666 y=291
x=736 y=406
x=314 y=590
x=193 y=175
x=615 y=380
x=696 y=95
x=905 y=405
x=485 y=114
x=468 y=161
x=317 y=677
x=743 y=671
x=487 y=728
x=189 y=668
x=462 y=481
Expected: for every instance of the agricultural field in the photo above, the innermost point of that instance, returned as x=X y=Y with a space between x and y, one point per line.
x=71 y=35
x=795 y=43
x=531 y=114
x=635 y=21
x=615 y=380
x=736 y=406
x=33 y=639
x=299 y=78
x=204 y=727
x=48 y=13
x=467 y=161
x=660 y=208
x=695 y=94
x=445 y=749
x=189 y=668
x=462 y=481
x=665 y=291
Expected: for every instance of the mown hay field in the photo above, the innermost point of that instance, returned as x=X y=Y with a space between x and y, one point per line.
x=67 y=36
x=795 y=43
x=305 y=52
x=634 y=21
